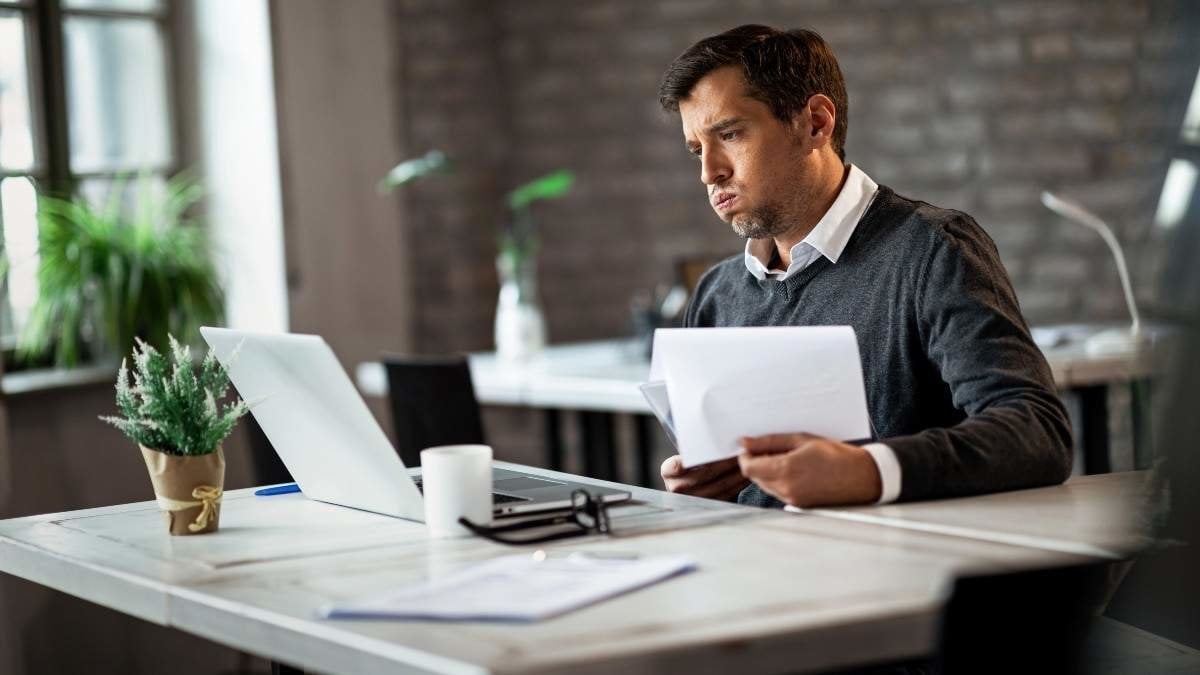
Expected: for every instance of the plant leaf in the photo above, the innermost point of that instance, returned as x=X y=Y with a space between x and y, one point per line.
x=409 y=170
x=551 y=186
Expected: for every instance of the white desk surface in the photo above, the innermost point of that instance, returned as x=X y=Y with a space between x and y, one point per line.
x=774 y=591
x=1089 y=516
x=604 y=375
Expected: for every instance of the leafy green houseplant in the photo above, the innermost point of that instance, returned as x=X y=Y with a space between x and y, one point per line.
x=520 y=328
x=519 y=239
x=172 y=412
x=109 y=274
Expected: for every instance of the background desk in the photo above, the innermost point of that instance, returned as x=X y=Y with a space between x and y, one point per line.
x=601 y=378
x=774 y=591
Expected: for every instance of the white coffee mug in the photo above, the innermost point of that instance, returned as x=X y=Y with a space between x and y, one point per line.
x=457 y=483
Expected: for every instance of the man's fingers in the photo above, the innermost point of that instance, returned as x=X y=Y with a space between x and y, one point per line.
x=673 y=467
x=773 y=442
x=701 y=473
x=698 y=479
x=761 y=466
x=714 y=472
x=725 y=487
x=771 y=472
x=751 y=465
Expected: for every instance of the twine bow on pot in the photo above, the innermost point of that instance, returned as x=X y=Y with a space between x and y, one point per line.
x=208 y=496
x=189 y=489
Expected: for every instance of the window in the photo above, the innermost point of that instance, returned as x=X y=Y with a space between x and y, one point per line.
x=85 y=97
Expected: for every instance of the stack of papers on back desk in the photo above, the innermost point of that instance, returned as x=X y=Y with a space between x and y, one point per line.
x=516 y=588
x=711 y=386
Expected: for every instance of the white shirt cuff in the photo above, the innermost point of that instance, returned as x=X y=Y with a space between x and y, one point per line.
x=889 y=470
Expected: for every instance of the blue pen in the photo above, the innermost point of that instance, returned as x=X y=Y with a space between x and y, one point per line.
x=277 y=490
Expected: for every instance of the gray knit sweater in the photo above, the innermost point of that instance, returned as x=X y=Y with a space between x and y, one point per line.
x=955 y=384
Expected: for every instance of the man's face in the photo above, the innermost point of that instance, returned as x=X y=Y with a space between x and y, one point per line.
x=754 y=166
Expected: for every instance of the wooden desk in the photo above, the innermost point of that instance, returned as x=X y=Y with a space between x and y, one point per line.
x=774 y=590
x=601 y=378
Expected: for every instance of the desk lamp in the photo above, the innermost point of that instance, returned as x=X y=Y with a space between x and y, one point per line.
x=1117 y=340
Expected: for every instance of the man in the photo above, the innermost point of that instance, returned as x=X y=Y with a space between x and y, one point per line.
x=961 y=400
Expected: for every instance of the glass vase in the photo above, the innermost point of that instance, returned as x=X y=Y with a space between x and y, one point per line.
x=520 y=330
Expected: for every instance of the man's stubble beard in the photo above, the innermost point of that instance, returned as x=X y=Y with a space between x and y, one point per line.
x=760 y=223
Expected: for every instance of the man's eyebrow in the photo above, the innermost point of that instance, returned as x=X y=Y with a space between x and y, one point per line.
x=724 y=124
x=715 y=128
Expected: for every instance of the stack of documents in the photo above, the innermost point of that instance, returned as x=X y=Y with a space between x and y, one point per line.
x=516 y=588
x=711 y=386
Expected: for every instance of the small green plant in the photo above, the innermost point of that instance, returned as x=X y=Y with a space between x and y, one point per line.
x=518 y=240
x=174 y=409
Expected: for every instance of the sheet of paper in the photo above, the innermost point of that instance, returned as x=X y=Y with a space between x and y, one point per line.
x=725 y=383
x=516 y=588
x=656 y=395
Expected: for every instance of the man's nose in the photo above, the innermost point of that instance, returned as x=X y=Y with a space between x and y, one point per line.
x=714 y=169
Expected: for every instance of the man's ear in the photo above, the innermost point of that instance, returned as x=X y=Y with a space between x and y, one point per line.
x=815 y=122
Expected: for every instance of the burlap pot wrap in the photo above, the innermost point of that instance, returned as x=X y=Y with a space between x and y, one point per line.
x=188 y=489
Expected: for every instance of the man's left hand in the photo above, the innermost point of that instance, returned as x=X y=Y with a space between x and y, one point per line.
x=805 y=470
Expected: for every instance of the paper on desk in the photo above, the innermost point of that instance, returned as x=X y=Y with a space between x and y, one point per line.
x=516 y=588
x=725 y=383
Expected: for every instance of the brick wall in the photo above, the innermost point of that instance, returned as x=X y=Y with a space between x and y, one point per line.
x=972 y=105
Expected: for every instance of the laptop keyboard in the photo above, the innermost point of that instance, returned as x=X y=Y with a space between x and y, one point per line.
x=497 y=498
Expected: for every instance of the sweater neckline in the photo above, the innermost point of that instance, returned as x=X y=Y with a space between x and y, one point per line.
x=797 y=281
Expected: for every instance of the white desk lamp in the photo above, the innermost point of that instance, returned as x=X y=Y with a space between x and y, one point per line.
x=1117 y=340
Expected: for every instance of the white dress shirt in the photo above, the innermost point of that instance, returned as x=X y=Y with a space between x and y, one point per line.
x=829 y=239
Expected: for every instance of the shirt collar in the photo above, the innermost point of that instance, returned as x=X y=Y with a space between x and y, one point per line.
x=830 y=235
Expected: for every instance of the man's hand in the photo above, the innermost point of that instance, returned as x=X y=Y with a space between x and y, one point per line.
x=805 y=470
x=718 y=480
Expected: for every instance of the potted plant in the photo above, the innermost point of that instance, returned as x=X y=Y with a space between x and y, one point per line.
x=172 y=413
x=111 y=272
x=520 y=329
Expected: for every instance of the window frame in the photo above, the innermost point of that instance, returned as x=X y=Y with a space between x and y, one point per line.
x=45 y=58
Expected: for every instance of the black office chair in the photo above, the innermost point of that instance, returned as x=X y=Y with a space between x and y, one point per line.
x=433 y=403
x=1022 y=621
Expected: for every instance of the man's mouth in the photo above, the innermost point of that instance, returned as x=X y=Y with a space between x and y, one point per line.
x=723 y=201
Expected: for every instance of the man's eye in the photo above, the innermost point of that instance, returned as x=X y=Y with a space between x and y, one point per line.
x=729 y=135
x=695 y=152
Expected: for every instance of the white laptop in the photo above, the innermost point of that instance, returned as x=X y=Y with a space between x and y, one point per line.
x=329 y=441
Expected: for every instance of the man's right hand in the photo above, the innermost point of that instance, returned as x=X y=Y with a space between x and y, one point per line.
x=718 y=480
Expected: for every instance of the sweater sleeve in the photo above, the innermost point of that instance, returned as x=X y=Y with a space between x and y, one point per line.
x=1016 y=433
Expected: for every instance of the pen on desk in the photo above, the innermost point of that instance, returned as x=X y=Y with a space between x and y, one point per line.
x=277 y=490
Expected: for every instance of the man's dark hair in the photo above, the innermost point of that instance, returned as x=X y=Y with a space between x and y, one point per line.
x=783 y=69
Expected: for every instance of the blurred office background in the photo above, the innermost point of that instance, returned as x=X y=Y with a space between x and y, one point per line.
x=289 y=112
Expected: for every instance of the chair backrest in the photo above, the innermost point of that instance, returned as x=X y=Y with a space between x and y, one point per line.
x=689 y=270
x=1030 y=620
x=433 y=403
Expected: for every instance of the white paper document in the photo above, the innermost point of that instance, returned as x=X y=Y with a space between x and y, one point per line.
x=516 y=588
x=656 y=395
x=725 y=383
